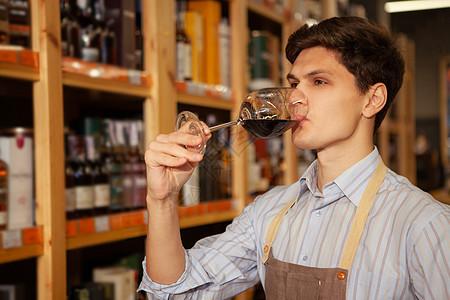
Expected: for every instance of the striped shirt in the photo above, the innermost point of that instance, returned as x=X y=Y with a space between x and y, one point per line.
x=403 y=253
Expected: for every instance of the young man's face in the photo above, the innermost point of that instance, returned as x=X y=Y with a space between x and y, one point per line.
x=335 y=103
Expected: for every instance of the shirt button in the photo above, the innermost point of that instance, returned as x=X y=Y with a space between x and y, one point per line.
x=305 y=257
x=318 y=214
x=341 y=276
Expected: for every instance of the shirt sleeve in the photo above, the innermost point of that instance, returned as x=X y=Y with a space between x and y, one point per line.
x=217 y=267
x=430 y=260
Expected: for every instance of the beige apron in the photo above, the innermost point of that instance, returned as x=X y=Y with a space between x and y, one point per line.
x=290 y=281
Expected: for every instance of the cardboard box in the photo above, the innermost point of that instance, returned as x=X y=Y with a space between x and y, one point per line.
x=17 y=152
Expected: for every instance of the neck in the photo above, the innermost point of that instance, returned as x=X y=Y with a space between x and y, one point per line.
x=333 y=162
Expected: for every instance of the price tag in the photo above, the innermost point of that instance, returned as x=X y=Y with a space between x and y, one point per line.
x=71 y=228
x=136 y=218
x=8 y=56
x=116 y=221
x=190 y=211
x=134 y=77
x=12 y=239
x=201 y=208
x=29 y=58
x=86 y=226
x=32 y=235
x=101 y=224
x=224 y=205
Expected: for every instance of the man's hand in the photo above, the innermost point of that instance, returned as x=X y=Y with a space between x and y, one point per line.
x=170 y=160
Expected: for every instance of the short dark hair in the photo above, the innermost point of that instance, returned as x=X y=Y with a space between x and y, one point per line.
x=366 y=49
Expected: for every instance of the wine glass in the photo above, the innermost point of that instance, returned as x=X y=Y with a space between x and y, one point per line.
x=265 y=113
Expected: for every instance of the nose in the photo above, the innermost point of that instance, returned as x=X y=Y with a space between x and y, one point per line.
x=297 y=97
x=298 y=104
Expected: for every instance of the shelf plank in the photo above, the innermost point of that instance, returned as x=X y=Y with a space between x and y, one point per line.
x=99 y=238
x=205 y=101
x=18 y=71
x=24 y=252
x=207 y=219
x=99 y=84
x=265 y=11
x=94 y=239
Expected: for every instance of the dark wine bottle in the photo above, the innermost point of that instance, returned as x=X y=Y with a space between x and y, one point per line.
x=3 y=194
x=102 y=189
x=84 y=187
x=114 y=162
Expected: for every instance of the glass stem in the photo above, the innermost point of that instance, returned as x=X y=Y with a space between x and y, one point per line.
x=224 y=125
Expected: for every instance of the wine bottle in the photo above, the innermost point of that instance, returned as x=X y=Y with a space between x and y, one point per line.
x=70 y=196
x=113 y=161
x=139 y=38
x=122 y=154
x=183 y=47
x=84 y=188
x=102 y=189
x=3 y=194
x=138 y=169
x=73 y=28
x=4 y=22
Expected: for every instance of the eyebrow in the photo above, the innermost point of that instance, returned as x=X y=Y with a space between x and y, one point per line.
x=309 y=74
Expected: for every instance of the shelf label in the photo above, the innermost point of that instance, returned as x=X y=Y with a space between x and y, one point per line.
x=71 y=228
x=32 y=236
x=101 y=224
x=224 y=205
x=8 y=56
x=12 y=239
x=29 y=58
x=116 y=221
x=86 y=226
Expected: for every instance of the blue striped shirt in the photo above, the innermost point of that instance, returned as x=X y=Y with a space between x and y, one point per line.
x=404 y=251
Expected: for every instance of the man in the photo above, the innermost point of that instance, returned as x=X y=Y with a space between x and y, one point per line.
x=349 y=228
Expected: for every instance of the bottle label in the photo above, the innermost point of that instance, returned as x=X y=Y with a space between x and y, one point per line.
x=2 y=218
x=84 y=197
x=187 y=61
x=70 y=200
x=180 y=61
x=102 y=195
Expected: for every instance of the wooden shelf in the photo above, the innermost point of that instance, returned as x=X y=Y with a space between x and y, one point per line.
x=265 y=11
x=24 y=252
x=99 y=238
x=205 y=101
x=93 y=239
x=207 y=219
x=18 y=71
x=99 y=84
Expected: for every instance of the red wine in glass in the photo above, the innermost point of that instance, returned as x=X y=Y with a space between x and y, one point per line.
x=265 y=113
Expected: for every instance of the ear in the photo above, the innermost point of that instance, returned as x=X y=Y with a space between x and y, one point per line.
x=377 y=96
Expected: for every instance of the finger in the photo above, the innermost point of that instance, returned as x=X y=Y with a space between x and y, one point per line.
x=179 y=138
x=156 y=149
x=163 y=160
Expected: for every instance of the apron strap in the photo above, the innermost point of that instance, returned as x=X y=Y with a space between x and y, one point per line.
x=273 y=228
x=361 y=215
x=358 y=222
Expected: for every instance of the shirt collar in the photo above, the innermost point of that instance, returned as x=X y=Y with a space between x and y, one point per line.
x=352 y=182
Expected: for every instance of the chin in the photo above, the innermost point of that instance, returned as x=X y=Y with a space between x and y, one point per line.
x=303 y=143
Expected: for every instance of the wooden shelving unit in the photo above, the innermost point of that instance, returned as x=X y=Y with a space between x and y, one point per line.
x=159 y=110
